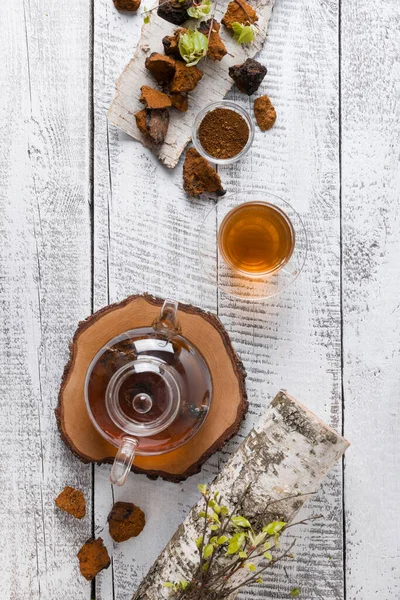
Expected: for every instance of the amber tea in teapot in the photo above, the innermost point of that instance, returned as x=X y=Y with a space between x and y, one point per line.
x=148 y=391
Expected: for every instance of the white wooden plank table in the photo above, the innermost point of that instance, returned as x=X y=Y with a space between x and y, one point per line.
x=88 y=216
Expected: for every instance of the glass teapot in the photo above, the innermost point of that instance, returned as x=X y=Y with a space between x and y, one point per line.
x=148 y=391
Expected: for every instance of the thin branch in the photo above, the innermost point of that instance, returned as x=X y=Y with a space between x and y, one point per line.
x=251 y=21
x=304 y=521
x=254 y=577
x=148 y=10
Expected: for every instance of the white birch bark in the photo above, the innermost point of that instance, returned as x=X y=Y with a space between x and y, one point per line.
x=289 y=452
x=213 y=86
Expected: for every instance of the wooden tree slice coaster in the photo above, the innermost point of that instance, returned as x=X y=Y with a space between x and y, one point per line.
x=206 y=332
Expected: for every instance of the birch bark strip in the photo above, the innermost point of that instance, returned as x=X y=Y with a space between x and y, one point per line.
x=288 y=453
x=213 y=86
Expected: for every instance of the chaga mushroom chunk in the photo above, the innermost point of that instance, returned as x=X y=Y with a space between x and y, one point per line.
x=93 y=558
x=239 y=11
x=265 y=113
x=161 y=67
x=125 y=521
x=72 y=501
x=131 y=5
x=185 y=78
x=199 y=176
x=180 y=102
x=153 y=123
x=153 y=98
x=248 y=76
x=216 y=47
x=174 y=11
x=171 y=42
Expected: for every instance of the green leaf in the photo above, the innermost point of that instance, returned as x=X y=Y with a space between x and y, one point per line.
x=193 y=45
x=214 y=527
x=259 y=580
x=215 y=506
x=146 y=19
x=242 y=554
x=205 y=567
x=213 y=540
x=224 y=511
x=202 y=488
x=183 y=585
x=208 y=550
x=222 y=540
x=267 y=546
x=214 y=517
x=295 y=593
x=198 y=11
x=274 y=527
x=243 y=34
x=277 y=540
x=201 y=514
x=240 y=522
x=236 y=542
x=259 y=538
x=198 y=541
x=168 y=584
x=250 y=566
x=268 y=555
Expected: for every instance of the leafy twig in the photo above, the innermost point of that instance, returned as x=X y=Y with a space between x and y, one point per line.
x=229 y=533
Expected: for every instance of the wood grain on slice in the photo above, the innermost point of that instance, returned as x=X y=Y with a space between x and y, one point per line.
x=213 y=86
x=204 y=330
x=286 y=455
x=371 y=284
x=293 y=340
x=45 y=287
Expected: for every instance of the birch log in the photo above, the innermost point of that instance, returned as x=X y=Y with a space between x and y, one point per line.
x=213 y=87
x=287 y=453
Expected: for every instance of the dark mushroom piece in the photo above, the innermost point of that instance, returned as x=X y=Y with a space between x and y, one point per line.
x=153 y=123
x=248 y=76
x=174 y=11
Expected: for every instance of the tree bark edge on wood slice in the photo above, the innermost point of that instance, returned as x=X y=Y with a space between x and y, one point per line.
x=228 y=375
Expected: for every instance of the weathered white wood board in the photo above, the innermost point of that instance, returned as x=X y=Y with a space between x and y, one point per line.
x=44 y=289
x=293 y=340
x=371 y=286
x=146 y=239
x=213 y=86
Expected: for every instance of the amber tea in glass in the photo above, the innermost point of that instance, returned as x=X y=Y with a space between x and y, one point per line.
x=256 y=238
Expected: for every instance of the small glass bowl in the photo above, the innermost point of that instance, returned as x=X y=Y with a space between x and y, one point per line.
x=237 y=283
x=200 y=116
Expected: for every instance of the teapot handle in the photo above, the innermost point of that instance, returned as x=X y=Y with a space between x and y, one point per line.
x=167 y=322
x=123 y=460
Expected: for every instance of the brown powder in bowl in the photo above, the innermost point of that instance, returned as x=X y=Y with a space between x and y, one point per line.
x=223 y=133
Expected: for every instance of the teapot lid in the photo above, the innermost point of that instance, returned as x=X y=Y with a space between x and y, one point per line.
x=143 y=397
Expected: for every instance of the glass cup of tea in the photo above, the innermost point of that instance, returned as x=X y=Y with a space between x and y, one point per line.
x=252 y=247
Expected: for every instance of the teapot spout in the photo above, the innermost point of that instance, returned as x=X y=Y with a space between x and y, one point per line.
x=167 y=322
x=123 y=460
